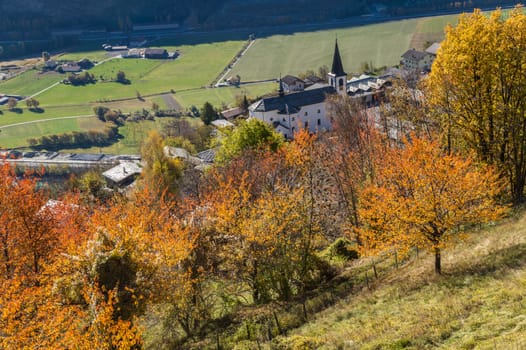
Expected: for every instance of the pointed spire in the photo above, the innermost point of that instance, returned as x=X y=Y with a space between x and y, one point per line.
x=281 y=89
x=337 y=66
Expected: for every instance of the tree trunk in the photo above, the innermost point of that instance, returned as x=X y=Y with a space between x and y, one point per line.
x=438 y=267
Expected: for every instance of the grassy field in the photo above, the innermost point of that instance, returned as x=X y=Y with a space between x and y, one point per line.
x=477 y=304
x=16 y=136
x=222 y=95
x=29 y=82
x=203 y=57
x=197 y=66
x=92 y=51
x=382 y=44
x=25 y=115
x=132 y=136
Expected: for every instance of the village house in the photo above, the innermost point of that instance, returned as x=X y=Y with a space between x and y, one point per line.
x=155 y=53
x=370 y=90
x=222 y=123
x=292 y=83
x=50 y=64
x=70 y=68
x=417 y=60
x=290 y=112
x=232 y=113
x=122 y=174
x=287 y=113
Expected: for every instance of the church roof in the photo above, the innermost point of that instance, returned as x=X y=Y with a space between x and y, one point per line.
x=290 y=80
x=292 y=103
x=414 y=55
x=337 y=66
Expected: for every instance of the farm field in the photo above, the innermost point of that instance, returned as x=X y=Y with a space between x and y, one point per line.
x=197 y=66
x=16 y=136
x=223 y=95
x=382 y=44
x=29 y=82
x=52 y=112
x=203 y=56
x=132 y=135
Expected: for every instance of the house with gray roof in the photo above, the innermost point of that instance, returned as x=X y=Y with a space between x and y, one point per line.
x=292 y=83
x=122 y=174
x=417 y=60
x=155 y=53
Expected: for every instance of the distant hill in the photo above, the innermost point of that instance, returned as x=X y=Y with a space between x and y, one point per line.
x=34 y=19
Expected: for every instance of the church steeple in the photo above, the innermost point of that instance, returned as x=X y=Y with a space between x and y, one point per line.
x=337 y=66
x=337 y=77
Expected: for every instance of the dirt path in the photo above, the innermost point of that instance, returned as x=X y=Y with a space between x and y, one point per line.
x=171 y=103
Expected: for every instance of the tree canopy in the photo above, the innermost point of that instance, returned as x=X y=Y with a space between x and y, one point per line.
x=252 y=134
x=477 y=90
x=422 y=197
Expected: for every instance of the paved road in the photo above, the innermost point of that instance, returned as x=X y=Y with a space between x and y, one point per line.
x=43 y=90
x=234 y=63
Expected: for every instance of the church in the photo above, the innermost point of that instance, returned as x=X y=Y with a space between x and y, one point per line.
x=305 y=109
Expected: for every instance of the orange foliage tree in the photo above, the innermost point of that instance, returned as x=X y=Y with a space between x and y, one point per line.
x=270 y=212
x=422 y=197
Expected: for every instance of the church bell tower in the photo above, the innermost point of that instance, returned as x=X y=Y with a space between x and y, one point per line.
x=337 y=77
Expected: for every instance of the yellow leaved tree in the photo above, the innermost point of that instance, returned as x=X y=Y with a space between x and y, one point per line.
x=477 y=90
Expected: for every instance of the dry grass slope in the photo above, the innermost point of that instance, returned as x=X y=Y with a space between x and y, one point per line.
x=479 y=302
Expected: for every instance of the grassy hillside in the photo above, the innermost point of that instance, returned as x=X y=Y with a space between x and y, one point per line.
x=479 y=302
x=382 y=44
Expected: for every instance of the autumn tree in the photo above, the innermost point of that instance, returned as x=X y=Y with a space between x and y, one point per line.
x=30 y=241
x=272 y=207
x=11 y=103
x=161 y=173
x=132 y=258
x=32 y=104
x=477 y=90
x=422 y=197
x=406 y=110
x=350 y=157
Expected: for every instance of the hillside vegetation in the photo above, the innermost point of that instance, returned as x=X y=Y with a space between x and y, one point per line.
x=478 y=303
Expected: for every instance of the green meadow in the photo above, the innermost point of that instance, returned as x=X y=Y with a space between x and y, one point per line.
x=382 y=44
x=223 y=95
x=16 y=136
x=132 y=134
x=29 y=82
x=203 y=56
